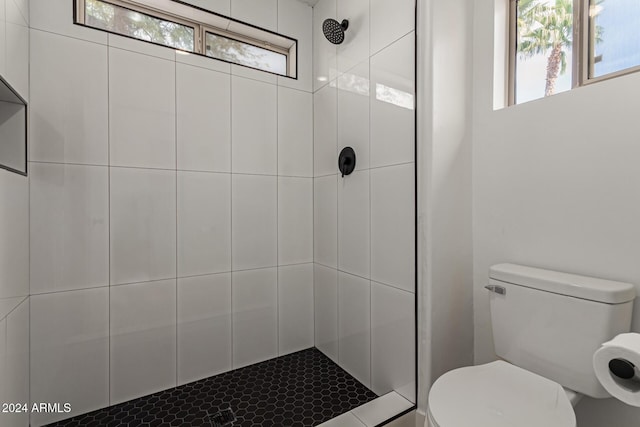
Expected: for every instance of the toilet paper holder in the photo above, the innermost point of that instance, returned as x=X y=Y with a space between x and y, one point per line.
x=624 y=369
x=616 y=364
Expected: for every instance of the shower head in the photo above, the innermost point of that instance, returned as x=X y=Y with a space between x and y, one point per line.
x=334 y=30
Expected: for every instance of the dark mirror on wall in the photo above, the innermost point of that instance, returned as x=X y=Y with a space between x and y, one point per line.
x=13 y=130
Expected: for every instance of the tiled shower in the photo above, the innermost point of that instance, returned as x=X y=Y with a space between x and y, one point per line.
x=183 y=217
x=364 y=223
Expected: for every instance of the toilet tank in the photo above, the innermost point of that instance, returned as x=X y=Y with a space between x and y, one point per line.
x=551 y=323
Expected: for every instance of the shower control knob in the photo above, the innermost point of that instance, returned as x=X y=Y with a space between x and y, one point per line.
x=347 y=161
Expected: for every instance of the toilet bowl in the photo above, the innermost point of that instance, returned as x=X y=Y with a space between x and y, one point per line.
x=498 y=394
x=546 y=326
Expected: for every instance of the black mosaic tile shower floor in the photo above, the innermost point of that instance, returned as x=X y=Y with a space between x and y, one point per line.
x=300 y=389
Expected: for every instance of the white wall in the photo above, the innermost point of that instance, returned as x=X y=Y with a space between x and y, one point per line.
x=364 y=223
x=14 y=227
x=171 y=209
x=555 y=185
x=444 y=165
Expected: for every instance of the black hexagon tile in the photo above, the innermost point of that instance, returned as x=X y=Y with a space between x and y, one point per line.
x=302 y=389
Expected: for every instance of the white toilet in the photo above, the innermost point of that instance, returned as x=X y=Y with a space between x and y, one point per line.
x=546 y=327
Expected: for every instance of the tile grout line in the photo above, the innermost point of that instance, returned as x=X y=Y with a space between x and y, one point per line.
x=364 y=278
x=175 y=144
x=277 y=215
x=109 y=211
x=337 y=186
x=313 y=185
x=27 y=154
x=215 y=172
x=313 y=209
x=166 y=170
x=277 y=200
x=370 y=217
x=313 y=182
x=24 y=298
x=114 y=285
x=141 y=52
x=231 y=198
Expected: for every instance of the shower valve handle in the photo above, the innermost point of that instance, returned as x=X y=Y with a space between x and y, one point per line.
x=347 y=161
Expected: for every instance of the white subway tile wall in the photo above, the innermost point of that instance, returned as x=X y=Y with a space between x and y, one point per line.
x=17 y=52
x=143 y=225
x=325 y=221
x=185 y=223
x=294 y=19
x=204 y=223
x=255 y=316
x=16 y=358
x=353 y=112
x=70 y=224
x=142 y=110
x=203 y=100
x=142 y=339
x=70 y=350
x=364 y=223
x=254 y=126
x=295 y=220
x=325 y=298
x=69 y=119
x=354 y=224
x=204 y=326
x=392 y=340
x=295 y=124
x=392 y=229
x=14 y=228
x=390 y=21
x=355 y=48
x=325 y=131
x=392 y=103
x=167 y=190
x=295 y=302
x=263 y=13
x=324 y=53
x=3 y=359
x=354 y=326
x=254 y=223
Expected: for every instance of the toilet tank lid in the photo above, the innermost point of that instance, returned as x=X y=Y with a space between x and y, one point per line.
x=573 y=285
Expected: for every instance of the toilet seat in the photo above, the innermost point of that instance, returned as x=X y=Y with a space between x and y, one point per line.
x=498 y=394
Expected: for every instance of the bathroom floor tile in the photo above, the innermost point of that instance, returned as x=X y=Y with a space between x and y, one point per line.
x=300 y=389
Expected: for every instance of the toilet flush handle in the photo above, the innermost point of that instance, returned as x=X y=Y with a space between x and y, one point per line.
x=497 y=289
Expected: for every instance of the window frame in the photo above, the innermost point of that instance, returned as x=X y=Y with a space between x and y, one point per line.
x=582 y=51
x=200 y=29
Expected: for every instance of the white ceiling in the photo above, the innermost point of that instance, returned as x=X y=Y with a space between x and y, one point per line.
x=309 y=2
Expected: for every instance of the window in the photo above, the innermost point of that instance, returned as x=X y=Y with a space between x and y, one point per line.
x=184 y=27
x=557 y=45
x=120 y=20
x=614 y=37
x=244 y=53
